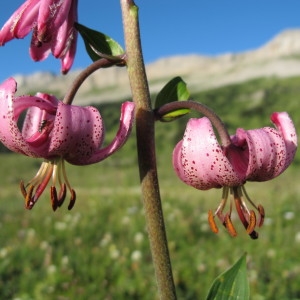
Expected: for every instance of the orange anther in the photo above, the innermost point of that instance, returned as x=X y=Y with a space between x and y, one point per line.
x=229 y=226
x=212 y=223
x=252 y=222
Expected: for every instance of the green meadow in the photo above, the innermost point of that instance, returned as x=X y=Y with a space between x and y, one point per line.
x=99 y=249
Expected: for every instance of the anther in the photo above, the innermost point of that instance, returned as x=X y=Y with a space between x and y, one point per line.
x=212 y=222
x=54 y=200
x=252 y=222
x=28 y=199
x=229 y=226
x=261 y=211
x=72 y=200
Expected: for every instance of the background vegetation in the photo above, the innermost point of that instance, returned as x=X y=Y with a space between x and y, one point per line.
x=99 y=250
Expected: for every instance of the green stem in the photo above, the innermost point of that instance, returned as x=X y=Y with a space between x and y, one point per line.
x=146 y=152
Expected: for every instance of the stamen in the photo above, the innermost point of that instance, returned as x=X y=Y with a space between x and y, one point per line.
x=23 y=189
x=219 y=210
x=36 y=180
x=54 y=169
x=54 y=200
x=248 y=198
x=239 y=209
x=252 y=222
x=62 y=194
x=73 y=194
x=229 y=226
x=72 y=199
x=212 y=222
x=41 y=187
x=261 y=211
x=247 y=217
x=28 y=199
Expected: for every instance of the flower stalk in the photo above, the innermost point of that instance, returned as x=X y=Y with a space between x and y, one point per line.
x=145 y=120
x=98 y=64
x=203 y=109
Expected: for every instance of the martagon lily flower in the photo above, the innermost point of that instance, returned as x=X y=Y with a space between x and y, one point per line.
x=52 y=26
x=253 y=155
x=56 y=132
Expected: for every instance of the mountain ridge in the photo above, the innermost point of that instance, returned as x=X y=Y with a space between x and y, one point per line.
x=279 y=57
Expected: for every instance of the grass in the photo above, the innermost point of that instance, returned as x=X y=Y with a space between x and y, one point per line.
x=99 y=250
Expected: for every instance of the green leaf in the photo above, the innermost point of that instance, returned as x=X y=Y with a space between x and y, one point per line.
x=173 y=115
x=232 y=284
x=174 y=90
x=97 y=44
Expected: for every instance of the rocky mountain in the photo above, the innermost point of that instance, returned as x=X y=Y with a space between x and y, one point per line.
x=279 y=57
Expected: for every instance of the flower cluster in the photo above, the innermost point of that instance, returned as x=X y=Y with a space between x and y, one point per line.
x=56 y=132
x=52 y=26
x=60 y=132
x=253 y=155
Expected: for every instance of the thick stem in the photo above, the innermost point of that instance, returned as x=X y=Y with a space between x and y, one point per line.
x=206 y=111
x=146 y=152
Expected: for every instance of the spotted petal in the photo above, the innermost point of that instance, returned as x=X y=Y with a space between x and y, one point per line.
x=10 y=109
x=199 y=159
x=77 y=133
x=270 y=151
x=286 y=128
x=54 y=129
x=126 y=123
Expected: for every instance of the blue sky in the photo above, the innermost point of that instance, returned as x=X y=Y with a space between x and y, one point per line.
x=168 y=28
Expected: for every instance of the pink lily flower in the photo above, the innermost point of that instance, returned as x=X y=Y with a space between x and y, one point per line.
x=56 y=132
x=52 y=26
x=253 y=155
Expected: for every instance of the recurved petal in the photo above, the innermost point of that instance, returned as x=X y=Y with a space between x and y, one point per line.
x=52 y=14
x=10 y=134
x=59 y=45
x=68 y=58
x=199 y=160
x=270 y=150
x=20 y=23
x=267 y=152
x=38 y=122
x=126 y=123
x=25 y=18
x=64 y=46
x=38 y=51
x=286 y=127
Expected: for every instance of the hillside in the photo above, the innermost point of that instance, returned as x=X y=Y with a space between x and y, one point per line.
x=280 y=57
